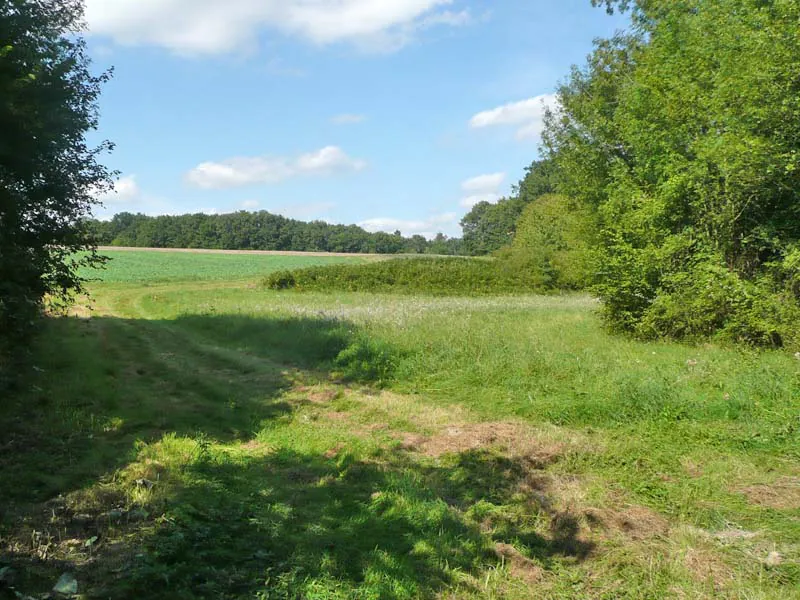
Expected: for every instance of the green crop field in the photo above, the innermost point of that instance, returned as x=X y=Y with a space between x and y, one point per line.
x=147 y=266
x=217 y=439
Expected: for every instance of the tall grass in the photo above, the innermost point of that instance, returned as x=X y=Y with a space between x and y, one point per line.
x=217 y=440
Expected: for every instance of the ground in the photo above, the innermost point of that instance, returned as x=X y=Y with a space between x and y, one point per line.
x=201 y=437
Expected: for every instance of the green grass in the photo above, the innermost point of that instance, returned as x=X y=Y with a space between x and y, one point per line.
x=143 y=266
x=210 y=439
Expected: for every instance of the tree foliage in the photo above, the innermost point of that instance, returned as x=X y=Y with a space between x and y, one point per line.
x=554 y=244
x=48 y=174
x=489 y=227
x=684 y=136
x=258 y=231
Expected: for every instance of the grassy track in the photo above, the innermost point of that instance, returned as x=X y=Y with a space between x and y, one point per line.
x=210 y=439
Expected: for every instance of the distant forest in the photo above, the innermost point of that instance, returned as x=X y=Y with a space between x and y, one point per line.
x=487 y=228
x=260 y=231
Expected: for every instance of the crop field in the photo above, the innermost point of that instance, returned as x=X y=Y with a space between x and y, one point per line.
x=150 y=266
x=197 y=435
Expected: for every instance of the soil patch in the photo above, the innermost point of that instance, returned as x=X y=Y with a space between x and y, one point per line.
x=707 y=566
x=519 y=566
x=634 y=522
x=513 y=438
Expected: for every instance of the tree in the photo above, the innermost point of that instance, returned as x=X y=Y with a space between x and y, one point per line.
x=49 y=176
x=489 y=227
x=684 y=135
x=554 y=244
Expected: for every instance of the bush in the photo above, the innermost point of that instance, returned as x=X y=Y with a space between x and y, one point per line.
x=710 y=300
x=434 y=276
x=553 y=244
x=367 y=360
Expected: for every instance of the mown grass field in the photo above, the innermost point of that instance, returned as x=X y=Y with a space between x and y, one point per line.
x=214 y=439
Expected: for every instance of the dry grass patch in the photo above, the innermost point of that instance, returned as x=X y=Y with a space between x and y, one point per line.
x=705 y=565
x=633 y=522
x=783 y=494
x=318 y=394
x=538 y=446
x=519 y=565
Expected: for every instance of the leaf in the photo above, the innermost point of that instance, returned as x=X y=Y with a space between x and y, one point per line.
x=90 y=542
x=66 y=584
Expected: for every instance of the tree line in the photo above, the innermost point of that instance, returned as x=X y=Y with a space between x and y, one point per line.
x=675 y=156
x=669 y=183
x=258 y=231
x=682 y=137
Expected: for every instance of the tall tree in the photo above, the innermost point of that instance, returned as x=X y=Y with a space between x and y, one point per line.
x=488 y=227
x=49 y=176
x=685 y=136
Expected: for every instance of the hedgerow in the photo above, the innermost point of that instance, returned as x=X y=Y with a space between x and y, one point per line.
x=434 y=276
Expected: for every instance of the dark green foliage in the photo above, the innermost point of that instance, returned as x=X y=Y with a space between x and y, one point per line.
x=258 y=231
x=47 y=172
x=684 y=135
x=367 y=360
x=435 y=276
x=489 y=227
x=711 y=300
x=555 y=243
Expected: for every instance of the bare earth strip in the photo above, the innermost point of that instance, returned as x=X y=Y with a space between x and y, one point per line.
x=256 y=252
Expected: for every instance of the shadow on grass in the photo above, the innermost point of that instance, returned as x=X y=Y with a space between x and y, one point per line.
x=290 y=524
x=298 y=525
x=101 y=384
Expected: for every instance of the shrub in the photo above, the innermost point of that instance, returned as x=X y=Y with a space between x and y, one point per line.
x=710 y=300
x=434 y=276
x=367 y=360
x=553 y=244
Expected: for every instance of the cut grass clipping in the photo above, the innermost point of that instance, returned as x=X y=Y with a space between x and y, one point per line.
x=437 y=276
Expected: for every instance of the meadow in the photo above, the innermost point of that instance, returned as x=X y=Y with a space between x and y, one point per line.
x=198 y=435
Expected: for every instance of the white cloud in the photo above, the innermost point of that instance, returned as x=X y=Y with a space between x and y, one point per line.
x=424 y=227
x=129 y=197
x=348 y=119
x=447 y=17
x=527 y=114
x=218 y=26
x=483 y=188
x=125 y=191
x=250 y=204
x=241 y=171
x=470 y=201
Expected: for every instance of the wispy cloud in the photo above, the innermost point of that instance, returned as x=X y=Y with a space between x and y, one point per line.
x=483 y=188
x=427 y=227
x=527 y=115
x=242 y=171
x=220 y=26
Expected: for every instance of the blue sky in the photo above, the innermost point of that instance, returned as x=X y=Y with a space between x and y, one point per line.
x=393 y=114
